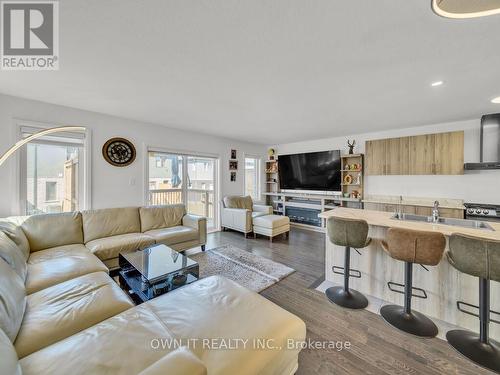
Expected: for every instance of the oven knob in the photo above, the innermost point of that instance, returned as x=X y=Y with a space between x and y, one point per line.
x=478 y=211
x=470 y=211
x=486 y=212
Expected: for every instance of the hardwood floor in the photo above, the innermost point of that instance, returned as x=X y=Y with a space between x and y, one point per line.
x=376 y=347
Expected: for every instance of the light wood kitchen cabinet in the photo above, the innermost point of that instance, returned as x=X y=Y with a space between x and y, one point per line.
x=451 y=212
x=375 y=152
x=449 y=153
x=409 y=210
x=422 y=154
x=424 y=211
x=428 y=154
x=397 y=156
x=385 y=207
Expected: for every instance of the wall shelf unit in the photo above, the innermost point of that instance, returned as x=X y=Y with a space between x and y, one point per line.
x=272 y=177
x=352 y=168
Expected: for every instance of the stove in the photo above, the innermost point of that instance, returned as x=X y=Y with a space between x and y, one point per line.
x=488 y=212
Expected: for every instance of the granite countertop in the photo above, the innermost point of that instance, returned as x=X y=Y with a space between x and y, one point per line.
x=384 y=219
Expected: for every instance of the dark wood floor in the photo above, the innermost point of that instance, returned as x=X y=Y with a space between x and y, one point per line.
x=376 y=347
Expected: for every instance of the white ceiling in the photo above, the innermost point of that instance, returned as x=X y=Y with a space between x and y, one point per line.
x=270 y=71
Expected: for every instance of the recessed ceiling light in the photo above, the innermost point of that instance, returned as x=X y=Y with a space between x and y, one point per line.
x=437 y=83
x=496 y=100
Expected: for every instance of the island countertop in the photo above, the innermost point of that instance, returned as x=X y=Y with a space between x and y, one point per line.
x=444 y=285
x=384 y=219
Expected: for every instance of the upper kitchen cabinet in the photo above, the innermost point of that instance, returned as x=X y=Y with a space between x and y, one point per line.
x=375 y=153
x=387 y=156
x=397 y=156
x=428 y=154
x=449 y=154
x=422 y=154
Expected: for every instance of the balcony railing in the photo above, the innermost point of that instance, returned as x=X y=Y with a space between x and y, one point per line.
x=165 y=196
x=199 y=202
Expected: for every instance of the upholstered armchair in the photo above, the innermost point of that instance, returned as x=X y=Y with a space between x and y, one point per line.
x=238 y=212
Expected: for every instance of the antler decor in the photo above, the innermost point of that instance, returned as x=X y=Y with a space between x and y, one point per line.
x=351 y=146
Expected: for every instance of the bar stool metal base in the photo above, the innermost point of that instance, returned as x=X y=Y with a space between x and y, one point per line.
x=352 y=299
x=414 y=322
x=468 y=344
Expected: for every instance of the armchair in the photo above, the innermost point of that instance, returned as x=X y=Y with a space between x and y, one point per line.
x=237 y=213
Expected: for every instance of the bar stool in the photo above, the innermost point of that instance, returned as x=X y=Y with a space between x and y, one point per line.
x=480 y=258
x=348 y=233
x=411 y=246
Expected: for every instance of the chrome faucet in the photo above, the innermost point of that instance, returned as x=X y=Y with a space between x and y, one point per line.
x=399 y=212
x=435 y=212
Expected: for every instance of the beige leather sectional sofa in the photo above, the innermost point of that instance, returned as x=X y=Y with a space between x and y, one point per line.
x=61 y=313
x=108 y=232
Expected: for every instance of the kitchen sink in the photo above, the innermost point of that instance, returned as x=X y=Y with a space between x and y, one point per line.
x=473 y=224
x=412 y=217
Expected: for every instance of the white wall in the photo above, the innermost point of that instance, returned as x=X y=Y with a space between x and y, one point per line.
x=111 y=186
x=474 y=186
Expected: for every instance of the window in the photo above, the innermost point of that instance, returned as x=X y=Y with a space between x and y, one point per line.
x=252 y=177
x=50 y=191
x=183 y=179
x=52 y=172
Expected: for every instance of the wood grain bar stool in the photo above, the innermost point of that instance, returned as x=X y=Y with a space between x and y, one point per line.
x=480 y=258
x=349 y=233
x=411 y=246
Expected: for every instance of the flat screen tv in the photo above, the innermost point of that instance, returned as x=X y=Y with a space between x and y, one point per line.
x=310 y=171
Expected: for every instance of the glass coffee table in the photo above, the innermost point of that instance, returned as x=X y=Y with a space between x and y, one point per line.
x=154 y=271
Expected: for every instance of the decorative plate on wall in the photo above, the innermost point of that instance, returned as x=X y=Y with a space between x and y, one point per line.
x=119 y=152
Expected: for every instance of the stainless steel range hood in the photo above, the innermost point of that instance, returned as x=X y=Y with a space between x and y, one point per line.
x=490 y=144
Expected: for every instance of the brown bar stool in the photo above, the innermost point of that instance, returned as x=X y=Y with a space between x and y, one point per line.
x=411 y=246
x=348 y=233
x=480 y=258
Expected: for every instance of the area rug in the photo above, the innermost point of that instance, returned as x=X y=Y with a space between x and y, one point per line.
x=249 y=270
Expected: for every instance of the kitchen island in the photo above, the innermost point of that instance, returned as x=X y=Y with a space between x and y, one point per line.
x=443 y=283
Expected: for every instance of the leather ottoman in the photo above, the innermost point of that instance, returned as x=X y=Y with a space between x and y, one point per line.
x=271 y=225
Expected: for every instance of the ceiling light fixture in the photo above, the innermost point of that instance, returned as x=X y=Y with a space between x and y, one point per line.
x=496 y=100
x=465 y=9
x=437 y=83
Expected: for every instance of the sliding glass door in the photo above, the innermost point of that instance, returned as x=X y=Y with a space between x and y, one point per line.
x=188 y=179
x=165 y=185
x=200 y=187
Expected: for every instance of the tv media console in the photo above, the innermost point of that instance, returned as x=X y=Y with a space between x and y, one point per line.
x=303 y=208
